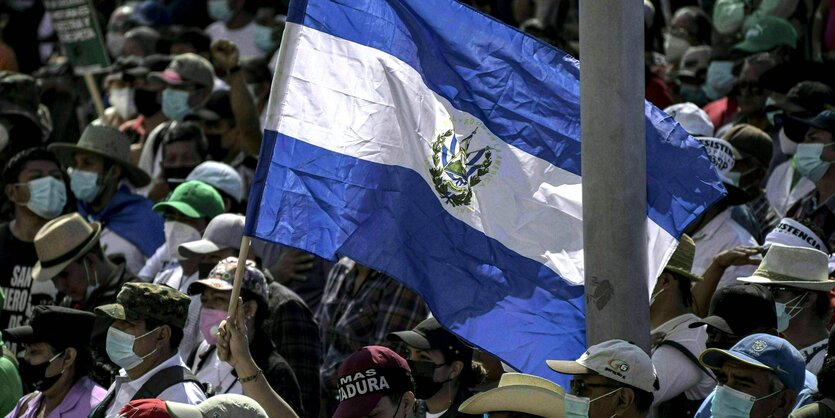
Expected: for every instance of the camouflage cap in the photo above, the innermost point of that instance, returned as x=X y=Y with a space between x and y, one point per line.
x=222 y=278
x=149 y=301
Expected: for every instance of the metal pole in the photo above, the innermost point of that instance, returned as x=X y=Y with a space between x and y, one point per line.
x=614 y=170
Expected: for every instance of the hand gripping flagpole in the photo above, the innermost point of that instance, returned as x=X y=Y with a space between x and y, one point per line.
x=239 y=274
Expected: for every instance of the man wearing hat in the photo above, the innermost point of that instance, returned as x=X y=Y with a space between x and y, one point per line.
x=814 y=159
x=215 y=291
x=519 y=393
x=785 y=185
x=799 y=279
x=183 y=148
x=729 y=318
x=761 y=375
x=442 y=367
x=147 y=103
x=612 y=378
x=375 y=381
x=147 y=327
x=772 y=34
x=99 y=167
x=35 y=187
x=683 y=382
x=187 y=213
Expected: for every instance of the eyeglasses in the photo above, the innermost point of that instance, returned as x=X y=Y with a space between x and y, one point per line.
x=580 y=387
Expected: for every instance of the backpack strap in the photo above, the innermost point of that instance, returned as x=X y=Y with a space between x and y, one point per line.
x=163 y=380
x=687 y=354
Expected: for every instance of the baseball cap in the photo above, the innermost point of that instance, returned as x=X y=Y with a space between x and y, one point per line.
x=222 y=177
x=222 y=278
x=731 y=307
x=766 y=33
x=428 y=335
x=224 y=231
x=618 y=360
x=692 y=118
x=194 y=199
x=148 y=301
x=793 y=233
x=824 y=121
x=806 y=96
x=55 y=325
x=762 y=351
x=750 y=140
x=365 y=376
x=186 y=69
x=694 y=61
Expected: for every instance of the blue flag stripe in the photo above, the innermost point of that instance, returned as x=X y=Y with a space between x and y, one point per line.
x=333 y=205
x=534 y=107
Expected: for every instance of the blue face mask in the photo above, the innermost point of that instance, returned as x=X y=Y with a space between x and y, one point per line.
x=720 y=79
x=219 y=10
x=808 y=161
x=119 y=347
x=263 y=36
x=175 y=104
x=47 y=197
x=578 y=407
x=85 y=185
x=731 y=403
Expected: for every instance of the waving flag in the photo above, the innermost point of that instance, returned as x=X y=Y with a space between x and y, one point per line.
x=435 y=144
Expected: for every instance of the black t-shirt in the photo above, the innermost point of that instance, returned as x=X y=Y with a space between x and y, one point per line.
x=22 y=292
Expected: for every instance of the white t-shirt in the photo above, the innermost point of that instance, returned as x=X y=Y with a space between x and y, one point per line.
x=720 y=234
x=244 y=38
x=818 y=353
x=677 y=373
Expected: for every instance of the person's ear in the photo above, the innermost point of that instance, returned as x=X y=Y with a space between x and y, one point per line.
x=164 y=334
x=457 y=367
x=70 y=354
x=785 y=403
x=115 y=172
x=626 y=399
x=17 y=194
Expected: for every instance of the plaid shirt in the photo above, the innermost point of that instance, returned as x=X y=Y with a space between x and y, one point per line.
x=766 y=216
x=294 y=332
x=348 y=322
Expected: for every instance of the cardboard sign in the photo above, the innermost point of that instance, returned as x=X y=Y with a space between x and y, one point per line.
x=78 y=30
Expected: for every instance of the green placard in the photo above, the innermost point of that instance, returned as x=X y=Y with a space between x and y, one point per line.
x=78 y=30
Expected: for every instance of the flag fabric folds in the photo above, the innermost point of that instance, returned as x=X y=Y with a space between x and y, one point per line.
x=435 y=144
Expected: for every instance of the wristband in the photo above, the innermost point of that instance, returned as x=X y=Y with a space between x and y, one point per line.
x=250 y=378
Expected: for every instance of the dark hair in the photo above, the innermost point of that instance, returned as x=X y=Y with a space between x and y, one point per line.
x=823 y=307
x=263 y=309
x=83 y=362
x=643 y=399
x=14 y=167
x=684 y=288
x=826 y=377
x=472 y=375
x=186 y=131
x=176 y=332
x=816 y=229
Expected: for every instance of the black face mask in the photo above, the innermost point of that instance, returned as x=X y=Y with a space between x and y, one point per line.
x=215 y=147
x=34 y=376
x=146 y=102
x=423 y=373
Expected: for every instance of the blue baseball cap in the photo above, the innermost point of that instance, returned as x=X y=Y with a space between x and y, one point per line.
x=763 y=351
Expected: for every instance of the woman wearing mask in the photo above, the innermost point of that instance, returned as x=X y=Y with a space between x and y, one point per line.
x=442 y=368
x=56 y=364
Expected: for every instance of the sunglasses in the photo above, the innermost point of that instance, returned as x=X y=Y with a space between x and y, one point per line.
x=580 y=387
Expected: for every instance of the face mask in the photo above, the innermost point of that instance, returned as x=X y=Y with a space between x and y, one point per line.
x=675 y=48
x=122 y=101
x=219 y=10
x=47 y=197
x=787 y=146
x=210 y=320
x=146 y=102
x=720 y=79
x=423 y=373
x=92 y=282
x=809 y=163
x=85 y=185
x=34 y=376
x=786 y=313
x=175 y=104
x=177 y=233
x=115 y=42
x=655 y=296
x=731 y=403
x=263 y=36
x=119 y=347
x=577 y=407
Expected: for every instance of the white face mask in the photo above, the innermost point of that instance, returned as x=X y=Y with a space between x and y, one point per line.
x=788 y=146
x=578 y=407
x=122 y=101
x=787 y=311
x=731 y=403
x=655 y=296
x=177 y=233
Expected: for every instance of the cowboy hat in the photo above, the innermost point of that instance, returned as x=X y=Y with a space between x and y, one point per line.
x=519 y=392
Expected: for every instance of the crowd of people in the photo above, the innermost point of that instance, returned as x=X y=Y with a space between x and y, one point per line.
x=121 y=233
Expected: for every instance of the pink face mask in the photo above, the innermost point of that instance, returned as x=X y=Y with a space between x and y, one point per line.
x=210 y=320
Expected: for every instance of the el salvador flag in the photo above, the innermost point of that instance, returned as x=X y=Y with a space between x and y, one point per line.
x=435 y=144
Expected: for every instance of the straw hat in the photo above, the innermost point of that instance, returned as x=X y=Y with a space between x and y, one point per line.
x=105 y=142
x=800 y=267
x=60 y=242
x=519 y=392
x=681 y=262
